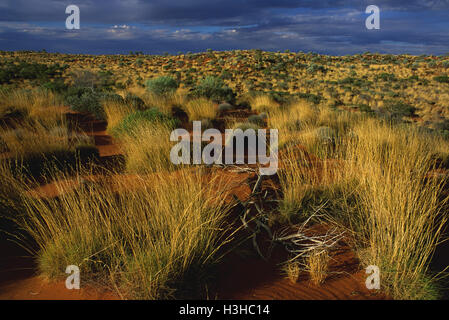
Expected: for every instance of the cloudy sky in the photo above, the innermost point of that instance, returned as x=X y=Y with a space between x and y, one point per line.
x=157 y=26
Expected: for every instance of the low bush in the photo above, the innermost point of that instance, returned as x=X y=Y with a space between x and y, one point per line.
x=442 y=79
x=87 y=101
x=157 y=242
x=162 y=85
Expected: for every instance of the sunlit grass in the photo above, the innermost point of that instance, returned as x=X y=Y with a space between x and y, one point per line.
x=146 y=241
x=200 y=108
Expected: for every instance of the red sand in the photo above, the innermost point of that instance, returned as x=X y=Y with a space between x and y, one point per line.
x=35 y=288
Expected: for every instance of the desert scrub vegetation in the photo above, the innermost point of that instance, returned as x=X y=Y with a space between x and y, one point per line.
x=88 y=90
x=85 y=100
x=35 y=135
x=375 y=183
x=11 y=71
x=115 y=112
x=153 y=242
x=353 y=80
x=215 y=89
x=349 y=154
x=162 y=86
x=382 y=193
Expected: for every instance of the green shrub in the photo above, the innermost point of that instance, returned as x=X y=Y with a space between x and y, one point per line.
x=57 y=85
x=215 y=89
x=152 y=115
x=387 y=77
x=314 y=68
x=442 y=79
x=399 y=109
x=87 y=101
x=162 y=85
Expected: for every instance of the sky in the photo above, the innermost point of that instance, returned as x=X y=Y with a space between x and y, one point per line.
x=158 y=26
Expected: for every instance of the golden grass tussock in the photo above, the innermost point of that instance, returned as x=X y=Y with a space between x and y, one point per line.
x=318 y=265
x=381 y=192
x=263 y=103
x=164 y=103
x=402 y=211
x=145 y=241
x=35 y=138
x=308 y=182
x=292 y=270
x=147 y=148
x=40 y=105
x=115 y=112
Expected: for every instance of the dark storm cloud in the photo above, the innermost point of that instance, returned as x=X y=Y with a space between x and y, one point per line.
x=336 y=27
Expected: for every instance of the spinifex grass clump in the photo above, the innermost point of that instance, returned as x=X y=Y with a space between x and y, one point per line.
x=147 y=148
x=138 y=118
x=147 y=242
x=200 y=108
x=317 y=265
x=39 y=104
x=401 y=208
x=292 y=270
x=308 y=187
